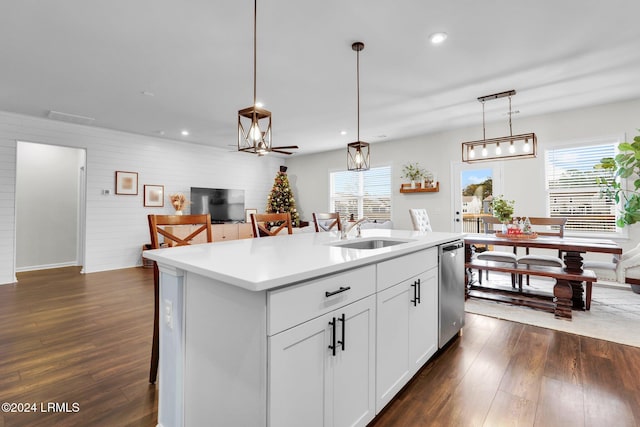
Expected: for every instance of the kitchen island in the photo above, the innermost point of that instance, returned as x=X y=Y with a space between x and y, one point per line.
x=302 y=329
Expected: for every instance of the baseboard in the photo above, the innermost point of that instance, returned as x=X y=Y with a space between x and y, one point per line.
x=45 y=266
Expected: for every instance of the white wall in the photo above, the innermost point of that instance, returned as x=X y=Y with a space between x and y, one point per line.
x=47 y=205
x=523 y=179
x=116 y=225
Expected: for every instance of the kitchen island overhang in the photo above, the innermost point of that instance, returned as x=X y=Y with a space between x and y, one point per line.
x=266 y=263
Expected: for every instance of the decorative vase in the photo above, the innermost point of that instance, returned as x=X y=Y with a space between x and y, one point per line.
x=178 y=213
x=413 y=184
x=504 y=228
x=423 y=183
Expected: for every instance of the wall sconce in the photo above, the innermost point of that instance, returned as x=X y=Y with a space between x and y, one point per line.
x=517 y=146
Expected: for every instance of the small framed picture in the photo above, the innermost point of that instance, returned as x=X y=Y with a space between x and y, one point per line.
x=247 y=214
x=126 y=182
x=154 y=196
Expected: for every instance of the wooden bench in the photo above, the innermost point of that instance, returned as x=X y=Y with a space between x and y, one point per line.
x=563 y=296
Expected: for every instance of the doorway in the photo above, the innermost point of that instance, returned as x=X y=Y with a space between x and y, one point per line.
x=473 y=183
x=50 y=206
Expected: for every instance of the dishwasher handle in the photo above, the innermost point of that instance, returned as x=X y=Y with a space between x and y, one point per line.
x=452 y=247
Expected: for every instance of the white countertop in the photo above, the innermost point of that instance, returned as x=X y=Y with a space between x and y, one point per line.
x=270 y=262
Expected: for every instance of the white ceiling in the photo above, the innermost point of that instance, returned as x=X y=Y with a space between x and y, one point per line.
x=95 y=58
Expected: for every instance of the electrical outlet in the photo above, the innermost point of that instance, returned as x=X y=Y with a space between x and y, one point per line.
x=168 y=313
x=106 y=192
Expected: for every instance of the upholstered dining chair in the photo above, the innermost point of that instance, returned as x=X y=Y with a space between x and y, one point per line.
x=420 y=220
x=329 y=220
x=176 y=230
x=260 y=224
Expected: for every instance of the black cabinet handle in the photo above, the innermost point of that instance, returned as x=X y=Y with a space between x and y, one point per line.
x=340 y=290
x=415 y=294
x=332 y=323
x=419 y=288
x=343 y=320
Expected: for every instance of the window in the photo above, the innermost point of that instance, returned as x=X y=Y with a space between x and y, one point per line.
x=362 y=194
x=573 y=191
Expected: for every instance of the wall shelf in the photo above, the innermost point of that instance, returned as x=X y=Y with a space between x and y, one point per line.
x=406 y=188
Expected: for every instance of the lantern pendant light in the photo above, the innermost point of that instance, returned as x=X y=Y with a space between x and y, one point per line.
x=358 y=152
x=254 y=123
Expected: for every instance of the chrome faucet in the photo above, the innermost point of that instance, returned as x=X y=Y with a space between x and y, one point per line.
x=347 y=227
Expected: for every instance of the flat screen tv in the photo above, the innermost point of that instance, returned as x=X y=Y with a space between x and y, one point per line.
x=224 y=205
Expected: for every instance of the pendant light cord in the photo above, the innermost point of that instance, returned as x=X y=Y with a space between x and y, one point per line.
x=358 y=85
x=255 y=20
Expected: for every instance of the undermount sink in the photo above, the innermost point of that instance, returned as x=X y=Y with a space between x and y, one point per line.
x=369 y=243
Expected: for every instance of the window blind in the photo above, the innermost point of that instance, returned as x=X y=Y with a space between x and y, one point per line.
x=362 y=194
x=573 y=191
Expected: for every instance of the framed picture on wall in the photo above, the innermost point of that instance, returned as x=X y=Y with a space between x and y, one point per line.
x=247 y=214
x=154 y=196
x=126 y=182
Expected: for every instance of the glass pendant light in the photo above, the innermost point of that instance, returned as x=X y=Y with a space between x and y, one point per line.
x=358 y=152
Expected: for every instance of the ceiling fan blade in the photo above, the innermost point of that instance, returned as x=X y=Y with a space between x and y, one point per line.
x=287 y=147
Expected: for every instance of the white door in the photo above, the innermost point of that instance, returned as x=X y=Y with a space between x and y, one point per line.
x=298 y=363
x=392 y=341
x=423 y=321
x=462 y=174
x=352 y=392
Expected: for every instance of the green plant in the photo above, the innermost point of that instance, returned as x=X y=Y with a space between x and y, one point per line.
x=502 y=208
x=412 y=171
x=623 y=166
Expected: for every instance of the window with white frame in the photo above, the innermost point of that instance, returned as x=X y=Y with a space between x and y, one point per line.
x=573 y=192
x=362 y=194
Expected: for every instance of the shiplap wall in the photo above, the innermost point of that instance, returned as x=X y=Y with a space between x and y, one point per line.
x=116 y=225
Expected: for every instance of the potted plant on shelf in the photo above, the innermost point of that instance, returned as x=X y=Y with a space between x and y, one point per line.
x=625 y=165
x=503 y=210
x=412 y=172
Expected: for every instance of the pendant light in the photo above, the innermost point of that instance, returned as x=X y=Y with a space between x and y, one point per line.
x=254 y=123
x=358 y=152
x=526 y=149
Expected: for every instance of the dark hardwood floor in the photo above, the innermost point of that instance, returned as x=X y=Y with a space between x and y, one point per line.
x=72 y=338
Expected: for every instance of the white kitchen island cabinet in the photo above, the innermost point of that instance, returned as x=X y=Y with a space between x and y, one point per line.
x=249 y=328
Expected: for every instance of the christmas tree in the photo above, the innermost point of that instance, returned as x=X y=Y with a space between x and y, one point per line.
x=281 y=198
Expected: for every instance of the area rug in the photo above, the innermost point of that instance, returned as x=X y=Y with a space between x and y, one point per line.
x=614 y=315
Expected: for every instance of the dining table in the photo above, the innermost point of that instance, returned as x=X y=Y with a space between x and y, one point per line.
x=572 y=248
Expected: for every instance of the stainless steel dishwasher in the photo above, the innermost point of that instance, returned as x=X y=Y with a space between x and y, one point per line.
x=451 y=291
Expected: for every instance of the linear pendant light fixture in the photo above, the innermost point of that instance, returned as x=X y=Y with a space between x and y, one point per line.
x=502 y=148
x=358 y=152
x=254 y=123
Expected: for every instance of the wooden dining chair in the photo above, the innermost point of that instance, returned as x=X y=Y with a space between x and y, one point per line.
x=496 y=256
x=270 y=224
x=335 y=216
x=175 y=230
x=551 y=227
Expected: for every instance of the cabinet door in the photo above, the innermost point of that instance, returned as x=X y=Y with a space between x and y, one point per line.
x=298 y=361
x=222 y=232
x=245 y=231
x=392 y=341
x=423 y=320
x=351 y=391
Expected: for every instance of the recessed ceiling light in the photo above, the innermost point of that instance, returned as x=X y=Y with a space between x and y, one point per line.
x=147 y=93
x=185 y=133
x=437 y=38
x=343 y=132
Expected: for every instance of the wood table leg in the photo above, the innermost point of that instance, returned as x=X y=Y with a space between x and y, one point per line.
x=563 y=292
x=573 y=262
